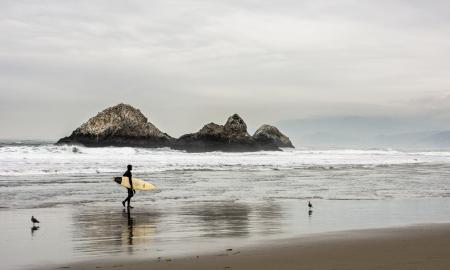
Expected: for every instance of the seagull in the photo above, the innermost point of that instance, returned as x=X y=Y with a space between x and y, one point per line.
x=309 y=204
x=34 y=220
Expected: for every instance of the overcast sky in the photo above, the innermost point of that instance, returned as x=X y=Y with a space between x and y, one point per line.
x=187 y=63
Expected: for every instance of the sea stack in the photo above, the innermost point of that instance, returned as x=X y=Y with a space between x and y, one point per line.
x=124 y=125
x=268 y=134
x=120 y=125
x=231 y=137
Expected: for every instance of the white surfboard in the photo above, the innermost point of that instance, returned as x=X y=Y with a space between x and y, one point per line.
x=138 y=184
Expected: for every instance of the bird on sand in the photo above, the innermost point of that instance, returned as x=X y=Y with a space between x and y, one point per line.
x=309 y=204
x=34 y=220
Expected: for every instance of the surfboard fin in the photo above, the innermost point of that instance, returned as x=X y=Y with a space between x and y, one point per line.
x=118 y=180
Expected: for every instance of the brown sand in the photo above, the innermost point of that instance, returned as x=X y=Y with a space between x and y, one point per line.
x=414 y=247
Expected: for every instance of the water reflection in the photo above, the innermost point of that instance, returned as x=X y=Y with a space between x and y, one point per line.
x=34 y=228
x=139 y=230
x=104 y=230
x=268 y=218
x=110 y=230
x=130 y=233
x=219 y=220
x=187 y=227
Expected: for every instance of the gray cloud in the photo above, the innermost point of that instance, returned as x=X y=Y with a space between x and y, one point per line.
x=185 y=63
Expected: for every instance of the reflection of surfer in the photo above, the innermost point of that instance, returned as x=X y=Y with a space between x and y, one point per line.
x=130 y=228
x=131 y=190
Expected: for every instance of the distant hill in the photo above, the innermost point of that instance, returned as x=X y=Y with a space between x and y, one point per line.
x=438 y=139
x=360 y=131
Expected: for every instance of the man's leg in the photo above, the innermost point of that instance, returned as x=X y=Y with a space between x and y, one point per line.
x=130 y=194
x=127 y=199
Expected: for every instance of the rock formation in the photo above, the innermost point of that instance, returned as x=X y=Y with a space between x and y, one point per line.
x=235 y=126
x=123 y=125
x=120 y=125
x=271 y=135
x=231 y=137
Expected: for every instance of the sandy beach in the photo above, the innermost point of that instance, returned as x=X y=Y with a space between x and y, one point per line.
x=412 y=247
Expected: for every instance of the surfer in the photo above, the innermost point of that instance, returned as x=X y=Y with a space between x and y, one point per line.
x=131 y=191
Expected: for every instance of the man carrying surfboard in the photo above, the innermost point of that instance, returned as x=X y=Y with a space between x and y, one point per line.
x=131 y=190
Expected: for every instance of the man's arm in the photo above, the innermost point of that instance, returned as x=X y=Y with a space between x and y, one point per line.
x=131 y=183
x=130 y=180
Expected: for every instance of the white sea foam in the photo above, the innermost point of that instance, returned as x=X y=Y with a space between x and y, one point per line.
x=52 y=159
x=49 y=175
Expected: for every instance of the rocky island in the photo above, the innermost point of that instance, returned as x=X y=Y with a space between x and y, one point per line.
x=124 y=125
x=120 y=125
x=232 y=137
x=268 y=134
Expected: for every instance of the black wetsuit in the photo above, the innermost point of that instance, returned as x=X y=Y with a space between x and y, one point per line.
x=130 y=190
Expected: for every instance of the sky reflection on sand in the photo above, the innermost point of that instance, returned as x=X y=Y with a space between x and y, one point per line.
x=82 y=233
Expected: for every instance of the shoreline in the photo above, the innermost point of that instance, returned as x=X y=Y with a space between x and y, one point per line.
x=423 y=246
x=72 y=235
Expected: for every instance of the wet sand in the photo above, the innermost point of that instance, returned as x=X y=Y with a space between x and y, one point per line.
x=73 y=235
x=411 y=247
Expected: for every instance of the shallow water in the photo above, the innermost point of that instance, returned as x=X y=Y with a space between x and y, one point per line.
x=204 y=201
x=395 y=181
x=70 y=234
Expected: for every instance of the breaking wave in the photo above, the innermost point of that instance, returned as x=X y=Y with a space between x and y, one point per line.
x=39 y=159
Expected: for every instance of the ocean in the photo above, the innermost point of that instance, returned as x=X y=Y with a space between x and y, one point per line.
x=48 y=175
x=208 y=200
